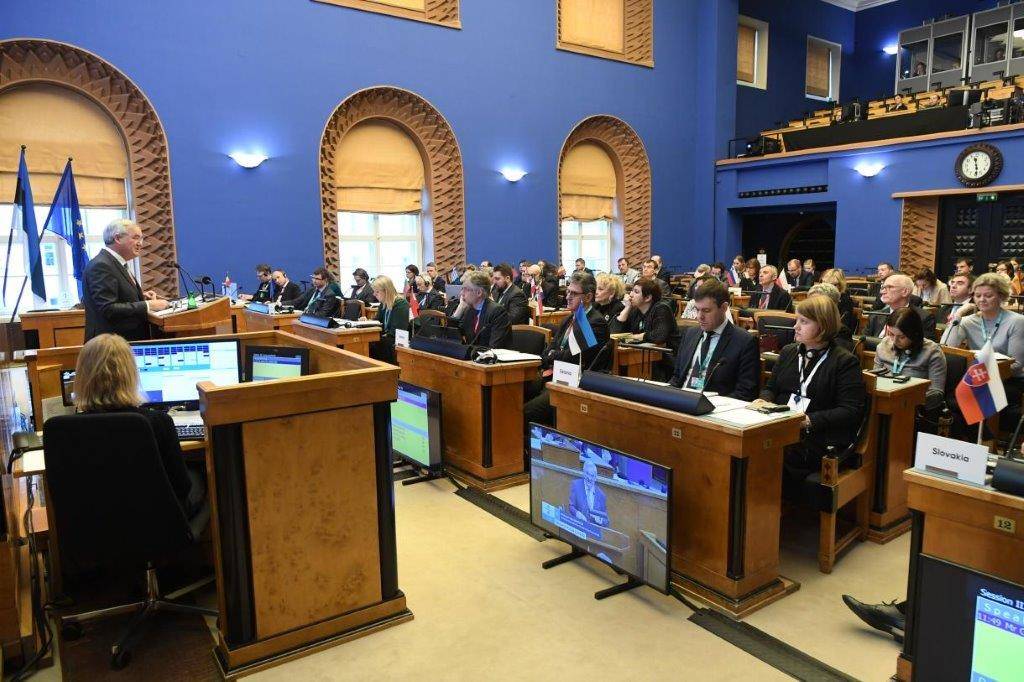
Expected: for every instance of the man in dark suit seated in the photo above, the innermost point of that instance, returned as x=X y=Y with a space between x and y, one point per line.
x=882 y=272
x=523 y=279
x=771 y=296
x=649 y=270
x=508 y=295
x=481 y=321
x=114 y=302
x=663 y=272
x=284 y=289
x=264 y=285
x=436 y=281
x=581 y=266
x=895 y=294
x=796 y=278
x=717 y=356
x=321 y=299
x=362 y=289
x=586 y=501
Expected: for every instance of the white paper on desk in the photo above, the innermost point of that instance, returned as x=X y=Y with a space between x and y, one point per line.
x=506 y=355
x=744 y=417
x=725 y=404
x=33 y=461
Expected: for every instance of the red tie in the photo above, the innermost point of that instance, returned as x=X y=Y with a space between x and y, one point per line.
x=476 y=322
x=763 y=304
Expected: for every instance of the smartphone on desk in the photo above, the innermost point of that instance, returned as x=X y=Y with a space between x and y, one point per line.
x=772 y=409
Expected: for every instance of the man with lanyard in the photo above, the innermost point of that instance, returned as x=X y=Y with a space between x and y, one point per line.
x=481 y=321
x=321 y=299
x=716 y=356
x=509 y=296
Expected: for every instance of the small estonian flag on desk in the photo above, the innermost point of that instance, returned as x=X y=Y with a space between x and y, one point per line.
x=980 y=394
x=581 y=332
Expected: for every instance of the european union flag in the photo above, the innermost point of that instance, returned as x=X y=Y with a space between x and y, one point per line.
x=65 y=221
x=25 y=219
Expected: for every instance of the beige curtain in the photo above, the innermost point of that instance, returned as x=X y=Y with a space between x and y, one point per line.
x=419 y=5
x=593 y=23
x=378 y=170
x=746 y=48
x=818 y=70
x=54 y=123
x=587 y=183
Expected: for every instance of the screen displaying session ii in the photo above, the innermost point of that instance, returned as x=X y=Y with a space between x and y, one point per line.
x=415 y=425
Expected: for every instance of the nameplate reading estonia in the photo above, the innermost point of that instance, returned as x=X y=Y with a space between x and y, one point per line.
x=963 y=461
x=566 y=373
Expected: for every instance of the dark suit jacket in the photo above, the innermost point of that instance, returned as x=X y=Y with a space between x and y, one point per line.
x=291 y=290
x=578 y=502
x=495 y=331
x=803 y=281
x=327 y=305
x=846 y=314
x=876 y=323
x=263 y=292
x=778 y=299
x=551 y=296
x=736 y=362
x=365 y=294
x=113 y=303
x=514 y=302
x=439 y=284
x=559 y=349
x=430 y=300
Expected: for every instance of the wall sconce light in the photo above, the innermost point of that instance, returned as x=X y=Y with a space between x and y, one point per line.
x=891 y=50
x=869 y=170
x=247 y=160
x=513 y=174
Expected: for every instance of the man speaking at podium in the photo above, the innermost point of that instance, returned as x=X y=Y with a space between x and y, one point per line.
x=586 y=501
x=114 y=301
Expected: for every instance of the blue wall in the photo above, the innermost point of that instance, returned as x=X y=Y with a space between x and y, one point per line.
x=789 y=24
x=229 y=74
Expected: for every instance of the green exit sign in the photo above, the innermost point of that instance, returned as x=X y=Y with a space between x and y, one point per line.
x=988 y=196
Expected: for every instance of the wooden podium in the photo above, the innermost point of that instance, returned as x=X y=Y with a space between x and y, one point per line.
x=726 y=490
x=55 y=327
x=261 y=322
x=210 y=317
x=481 y=412
x=355 y=340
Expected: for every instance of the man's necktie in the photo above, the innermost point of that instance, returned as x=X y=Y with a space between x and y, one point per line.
x=763 y=303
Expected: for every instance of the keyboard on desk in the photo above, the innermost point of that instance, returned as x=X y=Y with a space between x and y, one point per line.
x=190 y=431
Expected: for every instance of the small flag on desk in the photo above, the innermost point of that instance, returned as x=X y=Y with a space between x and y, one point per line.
x=980 y=394
x=581 y=327
x=414 y=307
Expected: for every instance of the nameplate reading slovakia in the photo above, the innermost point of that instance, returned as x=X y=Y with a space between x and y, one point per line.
x=566 y=373
x=402 y=338
x=954 y=458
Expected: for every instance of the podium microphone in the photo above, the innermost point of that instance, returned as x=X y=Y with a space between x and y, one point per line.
x=186 y=278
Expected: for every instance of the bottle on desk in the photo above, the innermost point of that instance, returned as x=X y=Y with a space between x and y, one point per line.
x=192 y=301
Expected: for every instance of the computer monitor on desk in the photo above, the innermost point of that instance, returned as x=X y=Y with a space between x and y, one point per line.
x=169 y=370
x=265 y=363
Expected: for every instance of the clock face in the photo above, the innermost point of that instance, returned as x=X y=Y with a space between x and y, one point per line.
x=976 y=164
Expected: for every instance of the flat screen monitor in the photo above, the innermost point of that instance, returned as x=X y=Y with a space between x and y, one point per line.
x=169 y=370
x=610 y=505
x=969 y=625
x=265 y=363
x=416 y=426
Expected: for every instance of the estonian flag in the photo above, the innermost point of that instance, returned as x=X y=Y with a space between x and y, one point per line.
x=65 y=221
x=980 y=394
x=25 y=219
x=581 y=327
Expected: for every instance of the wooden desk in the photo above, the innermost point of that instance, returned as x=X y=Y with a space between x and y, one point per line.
x=633 y=362
x=726 y=490
x=893 y=412
x=552 y=317
x=238 y=317
x=262 y=322
x=55 y=327
x=353 y=340
x=211 y=317
x=955 y=522
x=481 y=411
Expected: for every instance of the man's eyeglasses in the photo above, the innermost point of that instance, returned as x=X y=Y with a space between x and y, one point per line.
x=573 y=294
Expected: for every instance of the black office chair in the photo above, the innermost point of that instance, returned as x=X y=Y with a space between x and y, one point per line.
x=530 y=339
x=353 y=309
x=112 y=505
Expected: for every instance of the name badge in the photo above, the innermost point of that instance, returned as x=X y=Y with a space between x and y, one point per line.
x=696 y=383
x=566 y=373
x=402 y=338
x=798 y=403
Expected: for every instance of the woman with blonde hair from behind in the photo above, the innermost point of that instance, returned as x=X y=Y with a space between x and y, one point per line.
x=107 y=380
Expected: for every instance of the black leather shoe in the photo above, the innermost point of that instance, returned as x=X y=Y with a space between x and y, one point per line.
x=887 y=616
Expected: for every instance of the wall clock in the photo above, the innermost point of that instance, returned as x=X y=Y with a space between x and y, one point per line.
x=978 y=165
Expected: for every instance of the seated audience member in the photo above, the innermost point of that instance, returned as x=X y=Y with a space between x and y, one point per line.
x=485 y=264
x=703 y=270
x=362 y=289
x=882 y=272
x=844 y=336
x=586 y=500
x=409 y=286
x=651 y=319
x=928 y=287
x=751 y=270
x=560 y=273
x=1004 y=328
x=107 y=380
x=392 y=314
x=649 y=270
x=895 y=294
x=285 y=288
x=509 y=296
x=580 y=292
x=794 y=278
x=608 y=299
x=482 y=322
x=264 y=286
x=849 y=318
x=769 y=295
x=737 y=272
x=550 y=287
x=811 y=270
x=1007 y=269
x=523 y=279
x=897 y=104
x=960 y=305
x=906 y=352
x=717 y=356
x=823 y=381
x=536 y=282
x=436 y=280
x=321 y=299
x=581 y=266
x=426 y=297
x=662 y=272
x=627 y=274
x=964 y=266
x=719 y=272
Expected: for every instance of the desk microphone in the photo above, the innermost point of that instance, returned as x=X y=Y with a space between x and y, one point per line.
x=707 y=381
x=596 y=357
x=484 y=326
x=186 y=278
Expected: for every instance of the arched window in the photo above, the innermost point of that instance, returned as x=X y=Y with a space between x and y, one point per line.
x=55 y=123
x=380 y=194
x=588 y=201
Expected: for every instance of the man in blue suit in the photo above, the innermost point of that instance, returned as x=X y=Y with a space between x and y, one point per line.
x=586 y=501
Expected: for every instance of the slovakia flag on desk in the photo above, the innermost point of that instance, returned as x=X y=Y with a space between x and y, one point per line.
x=980 y=393
x=581 y=327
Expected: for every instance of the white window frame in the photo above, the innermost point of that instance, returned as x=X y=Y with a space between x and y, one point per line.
x=608 y=238
x=760 y=52
x=374 y=269
x=835 y=58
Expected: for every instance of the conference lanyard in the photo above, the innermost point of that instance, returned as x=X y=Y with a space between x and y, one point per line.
x=700 y=364
x=387 y=315
x=984 y=326
x=898 y=366
x=796 y=400
x=502 y=296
